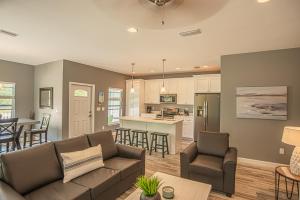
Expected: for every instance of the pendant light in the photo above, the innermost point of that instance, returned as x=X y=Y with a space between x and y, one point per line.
x=132 y=88
x=163 y=88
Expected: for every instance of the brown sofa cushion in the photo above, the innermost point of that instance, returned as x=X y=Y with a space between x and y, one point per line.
x=215 y=144
x=207 y=165
x=71 y=145
x=60 y=191
x=31 y=168
x=105 y=138
x=125 y=165
x=98 y=180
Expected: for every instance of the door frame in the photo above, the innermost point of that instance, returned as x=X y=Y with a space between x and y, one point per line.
x=93 y=103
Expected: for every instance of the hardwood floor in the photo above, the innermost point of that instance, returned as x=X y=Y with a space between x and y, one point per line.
x=252 y=182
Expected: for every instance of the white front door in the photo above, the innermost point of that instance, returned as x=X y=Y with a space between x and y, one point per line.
x=80 y=108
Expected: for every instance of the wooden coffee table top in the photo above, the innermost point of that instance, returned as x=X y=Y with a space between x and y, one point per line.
x=184 y=189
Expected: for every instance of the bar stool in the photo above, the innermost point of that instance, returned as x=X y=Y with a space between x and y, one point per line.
x=124 y=134
x=135 y=138
x=162 y=146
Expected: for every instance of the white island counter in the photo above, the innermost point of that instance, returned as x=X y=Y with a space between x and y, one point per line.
x=172 y=127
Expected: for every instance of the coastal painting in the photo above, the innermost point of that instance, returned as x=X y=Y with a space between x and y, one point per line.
x=262 y=102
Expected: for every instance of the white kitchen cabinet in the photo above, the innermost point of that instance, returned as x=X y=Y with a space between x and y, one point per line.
x=135 y=101
x=210 y=83
x=188 y=126
x=171 y=85
x=152 y=91
x=185 y=91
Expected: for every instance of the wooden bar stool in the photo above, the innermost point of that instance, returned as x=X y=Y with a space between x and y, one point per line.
x=123 y=136
x=164 y=146
x=135 y=138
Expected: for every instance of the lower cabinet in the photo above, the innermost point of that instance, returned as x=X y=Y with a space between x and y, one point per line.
x=188 y=126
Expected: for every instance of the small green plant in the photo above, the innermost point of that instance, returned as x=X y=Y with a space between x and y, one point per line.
x=148 y=185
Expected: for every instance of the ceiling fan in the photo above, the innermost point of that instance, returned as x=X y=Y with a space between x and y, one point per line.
x=147 y=14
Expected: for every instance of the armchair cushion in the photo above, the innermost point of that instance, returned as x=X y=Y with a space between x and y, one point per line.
x=215 y=144
x=207 y=165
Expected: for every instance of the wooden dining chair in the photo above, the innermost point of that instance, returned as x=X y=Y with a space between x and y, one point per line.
x=10 y=134
x=43 y=129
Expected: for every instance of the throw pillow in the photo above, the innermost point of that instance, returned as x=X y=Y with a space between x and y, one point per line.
x=78 y=163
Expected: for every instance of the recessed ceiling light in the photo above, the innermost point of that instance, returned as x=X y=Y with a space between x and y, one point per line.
x=178 y=68
x=263 y=1
x=132 y=30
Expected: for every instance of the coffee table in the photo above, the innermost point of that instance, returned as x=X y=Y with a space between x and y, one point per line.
x=184 y=189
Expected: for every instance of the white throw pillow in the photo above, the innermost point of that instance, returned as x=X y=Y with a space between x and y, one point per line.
x=81 y=162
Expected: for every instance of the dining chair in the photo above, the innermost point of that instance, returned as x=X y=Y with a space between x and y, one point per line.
x=9 y=133
x=43 y=129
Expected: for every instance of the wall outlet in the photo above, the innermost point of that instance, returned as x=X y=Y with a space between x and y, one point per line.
x=281 y=151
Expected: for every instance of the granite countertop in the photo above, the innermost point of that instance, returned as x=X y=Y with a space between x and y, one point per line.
x=149 y=120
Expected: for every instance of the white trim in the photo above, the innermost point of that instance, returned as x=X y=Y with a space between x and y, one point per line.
x=258 y=163
x=93 y=103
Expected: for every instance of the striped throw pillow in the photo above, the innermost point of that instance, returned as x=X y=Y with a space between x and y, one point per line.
x=81 y=162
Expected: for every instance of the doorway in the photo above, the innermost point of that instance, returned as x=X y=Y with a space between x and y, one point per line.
x=81 y=109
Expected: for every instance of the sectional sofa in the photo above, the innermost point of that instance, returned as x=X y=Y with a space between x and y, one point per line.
x=36 y=173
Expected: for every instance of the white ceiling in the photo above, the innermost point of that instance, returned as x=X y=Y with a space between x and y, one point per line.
x=78 y=30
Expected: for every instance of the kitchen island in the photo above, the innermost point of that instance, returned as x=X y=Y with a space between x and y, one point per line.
x=171 y=126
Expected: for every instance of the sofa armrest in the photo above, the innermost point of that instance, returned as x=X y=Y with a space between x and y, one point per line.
x=131 y=152
x=186 y=157
x=229 y=167
x=7 y=193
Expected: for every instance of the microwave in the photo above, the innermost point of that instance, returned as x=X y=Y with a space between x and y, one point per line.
x=168 y=98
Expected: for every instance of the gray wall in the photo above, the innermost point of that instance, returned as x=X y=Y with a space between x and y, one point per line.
x=255 y=138
x=50 y=75
x=23 y=76
x=103 y=79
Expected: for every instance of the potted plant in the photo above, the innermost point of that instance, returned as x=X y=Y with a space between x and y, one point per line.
x=150 y=187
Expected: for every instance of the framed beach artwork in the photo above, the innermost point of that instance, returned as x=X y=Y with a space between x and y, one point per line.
x=262 y=102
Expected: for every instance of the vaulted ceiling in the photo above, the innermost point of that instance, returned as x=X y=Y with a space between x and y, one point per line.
x=81 y=31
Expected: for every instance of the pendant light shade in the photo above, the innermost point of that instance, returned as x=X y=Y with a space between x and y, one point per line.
x=163 y=88
x=132 y=88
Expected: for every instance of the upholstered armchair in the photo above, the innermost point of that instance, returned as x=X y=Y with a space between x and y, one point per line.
x=211 y=160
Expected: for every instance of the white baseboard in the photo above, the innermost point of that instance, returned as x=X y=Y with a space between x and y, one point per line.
x=258 y=163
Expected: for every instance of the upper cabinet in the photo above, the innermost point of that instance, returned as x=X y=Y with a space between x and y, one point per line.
x=171 y=85
x=210 y=83
x=135 y=100
x=152 y=91
x=185 y=91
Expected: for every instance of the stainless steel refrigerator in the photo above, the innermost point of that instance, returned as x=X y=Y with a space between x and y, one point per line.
x=207 y=113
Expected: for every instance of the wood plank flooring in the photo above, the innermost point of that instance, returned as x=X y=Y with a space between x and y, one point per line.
x=252 y=182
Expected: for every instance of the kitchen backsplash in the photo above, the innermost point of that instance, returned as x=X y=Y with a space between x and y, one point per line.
x=158 y=107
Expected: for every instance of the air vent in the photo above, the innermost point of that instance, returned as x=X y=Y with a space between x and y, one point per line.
x=190 y=33
x=8 y=33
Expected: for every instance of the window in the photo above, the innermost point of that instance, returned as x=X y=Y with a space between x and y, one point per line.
x=7 y=100
x=114 y=105
x=80 y=93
